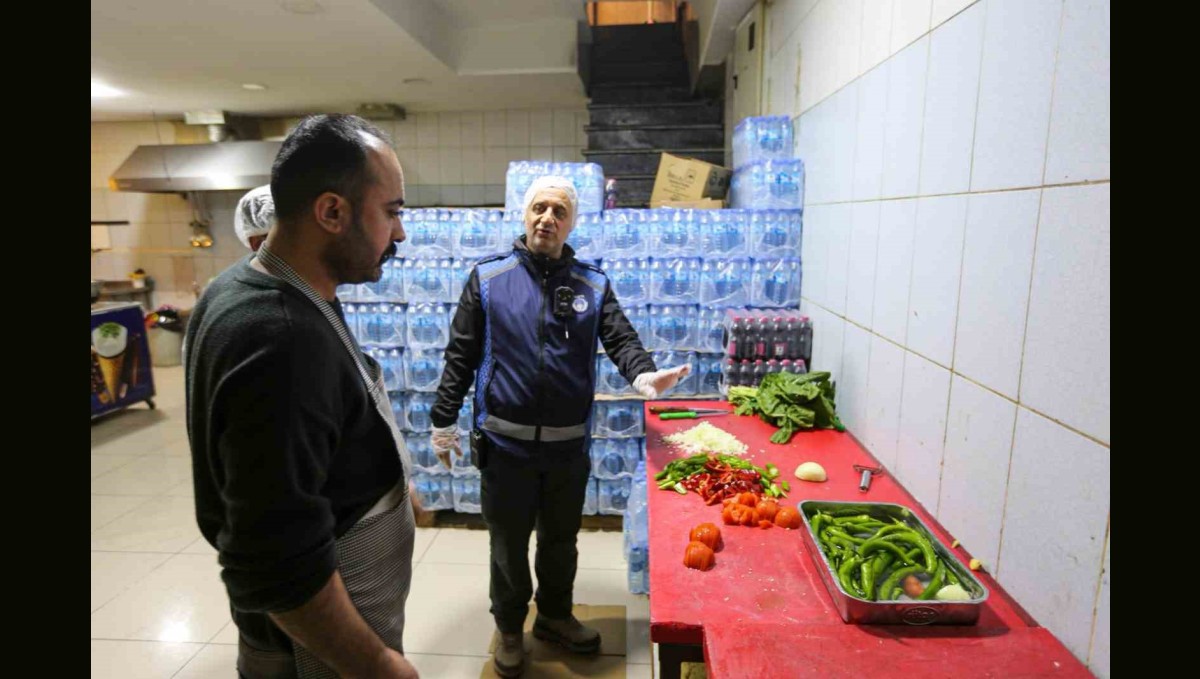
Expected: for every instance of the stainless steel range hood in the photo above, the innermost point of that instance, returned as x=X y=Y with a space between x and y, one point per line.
x=224 y=165
x=171 y=168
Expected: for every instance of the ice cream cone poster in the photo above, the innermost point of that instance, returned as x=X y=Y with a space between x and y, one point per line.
x=120 y=359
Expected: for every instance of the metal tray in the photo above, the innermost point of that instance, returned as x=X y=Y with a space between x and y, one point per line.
x=856 y=610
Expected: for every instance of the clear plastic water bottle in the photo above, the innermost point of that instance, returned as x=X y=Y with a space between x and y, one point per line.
x=417 y=407
x=724 y=283
x=423 y=370
x=710 y=375
x=630 y=279
x=591 y=503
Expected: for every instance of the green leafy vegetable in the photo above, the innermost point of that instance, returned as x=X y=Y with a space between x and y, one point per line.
x=790 y=402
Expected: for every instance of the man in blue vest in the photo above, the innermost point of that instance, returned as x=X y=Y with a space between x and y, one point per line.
x=526 y=332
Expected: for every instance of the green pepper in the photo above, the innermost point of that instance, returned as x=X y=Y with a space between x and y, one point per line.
x=786 y=486
x=914 y=538
x=898 y=575
x=662 y=474
x=848 y=583
x=815 y=522
x=951 y=576
x=868 y=580
x=935 y=584
x=842 y=520
x=846 y=536
x=877 y=544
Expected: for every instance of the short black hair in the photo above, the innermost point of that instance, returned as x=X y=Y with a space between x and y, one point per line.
x=325 y=153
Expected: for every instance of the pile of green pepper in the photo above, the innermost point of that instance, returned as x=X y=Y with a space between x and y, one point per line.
x=677 y=471
x=872 y=558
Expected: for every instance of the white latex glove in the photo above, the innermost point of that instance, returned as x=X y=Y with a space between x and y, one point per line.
x=444 y=440
x=652 y=384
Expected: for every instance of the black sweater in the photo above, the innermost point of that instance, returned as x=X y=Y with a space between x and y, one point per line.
x=288 y=451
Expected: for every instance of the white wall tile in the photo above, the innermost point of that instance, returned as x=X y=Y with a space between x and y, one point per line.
x=495 y=129
x=474 y=170
x=923 y=406
x=893 y=268
x=828 y=340
x=979 y=436
x=408 y=166
x=780 y=78
x=564 y=127
x=994 y=294
x=430 y=163
x=450 y=165
x=404 y=133
x=869 y=133
x=910 y=20
x=581 y=122
x=541 y=153
x=848 y=20
x=1019 y=42
x=471 y=128
x=838 y=252
x=936 y=268
x=818 y=153
x=1053 y=567
x=844 y=113
x=427 y=130
x=449 y=129
x=517 y=126
x=1067 y=367
x=99 y=204
x=814 y=251
x=955 y=51
x=452 y=195
x=568 y=154
x=821 y=30
x=876 y=33
x=1079 y=121
x=541 y=128
x=944 y=9
x=860 y=277
x=852 y=384
x=495 y=164
x=884 y=388
x=809 y=37
x=905 y=115
x=783 y=17
x=1099 y=656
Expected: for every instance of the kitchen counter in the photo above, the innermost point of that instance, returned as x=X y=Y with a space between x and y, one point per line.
x=763 y=610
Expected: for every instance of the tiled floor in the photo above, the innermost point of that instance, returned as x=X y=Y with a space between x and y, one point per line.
x=159 y=608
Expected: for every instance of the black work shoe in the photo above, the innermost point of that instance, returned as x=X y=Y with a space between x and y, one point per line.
x=570 y=634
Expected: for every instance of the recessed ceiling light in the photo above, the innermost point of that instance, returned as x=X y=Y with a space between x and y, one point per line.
x=253 y=86
x=100 y=90
x=302 y=6
x=415 y=81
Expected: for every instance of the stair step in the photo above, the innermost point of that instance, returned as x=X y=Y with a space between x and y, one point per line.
x=673 y=72
x=669 y=113
x=655 y=136
x=639 y=92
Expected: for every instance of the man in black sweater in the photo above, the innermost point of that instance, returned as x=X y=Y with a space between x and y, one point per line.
x=301 y=479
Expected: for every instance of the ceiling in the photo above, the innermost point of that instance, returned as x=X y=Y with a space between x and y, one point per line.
x=172 y=56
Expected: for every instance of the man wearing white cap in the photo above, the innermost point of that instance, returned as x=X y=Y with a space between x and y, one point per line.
x=254 y=217
x=526 y=331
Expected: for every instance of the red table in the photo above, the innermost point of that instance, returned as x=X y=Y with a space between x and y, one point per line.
x=763 y=609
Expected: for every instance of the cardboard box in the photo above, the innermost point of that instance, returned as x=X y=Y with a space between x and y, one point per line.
x=702 y=204
x=547 y=661
x=688 y=179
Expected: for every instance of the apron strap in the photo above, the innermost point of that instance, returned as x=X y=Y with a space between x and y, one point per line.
x=374 y=382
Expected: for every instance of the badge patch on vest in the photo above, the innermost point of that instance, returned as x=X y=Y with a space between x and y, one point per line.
x=580 y=304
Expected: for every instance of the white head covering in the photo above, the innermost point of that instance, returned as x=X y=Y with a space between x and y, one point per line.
x=255 y=214
x=553 y=182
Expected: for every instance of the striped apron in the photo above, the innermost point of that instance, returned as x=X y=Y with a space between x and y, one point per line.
x=374 y=558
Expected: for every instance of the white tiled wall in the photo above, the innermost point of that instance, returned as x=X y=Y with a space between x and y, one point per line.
x=956 y=257
x=449 y=158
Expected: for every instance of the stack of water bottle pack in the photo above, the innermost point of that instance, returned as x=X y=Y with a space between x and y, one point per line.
x=403 y=322
x=765 y=173
x=637 y=534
